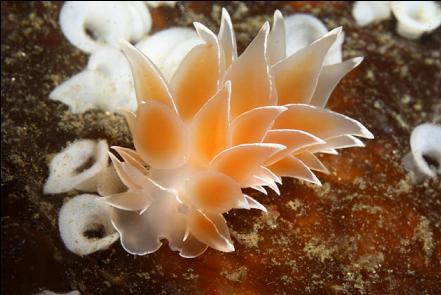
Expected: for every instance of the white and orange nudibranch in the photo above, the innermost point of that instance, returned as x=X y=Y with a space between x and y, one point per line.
x=223 y=123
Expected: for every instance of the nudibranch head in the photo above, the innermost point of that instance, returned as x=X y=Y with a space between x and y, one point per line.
x=224 y=122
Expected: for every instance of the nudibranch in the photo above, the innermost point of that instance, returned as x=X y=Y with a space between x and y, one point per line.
x=223 y=123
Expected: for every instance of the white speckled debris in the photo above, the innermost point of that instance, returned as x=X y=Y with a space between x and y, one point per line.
x=366 y=12
x=156 y=4
x=416 y=17
x=425 y=141
x=86 y=213
x=105 y=84
x=91 y=24
x=66 y=168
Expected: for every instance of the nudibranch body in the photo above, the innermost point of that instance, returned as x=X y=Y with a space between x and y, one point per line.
x=223 y=123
